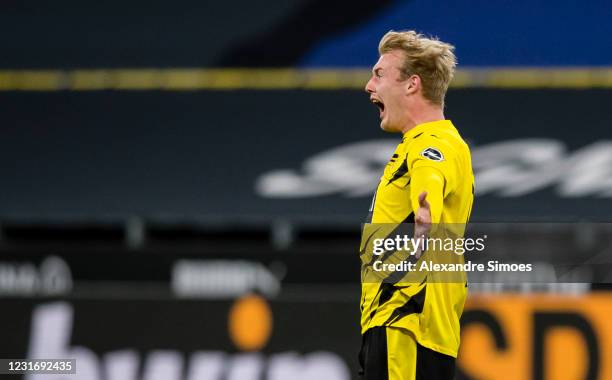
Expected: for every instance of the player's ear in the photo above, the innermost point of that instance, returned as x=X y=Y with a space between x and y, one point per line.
x=413 y=84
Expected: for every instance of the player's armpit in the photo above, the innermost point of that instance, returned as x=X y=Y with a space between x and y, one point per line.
x=431 y=180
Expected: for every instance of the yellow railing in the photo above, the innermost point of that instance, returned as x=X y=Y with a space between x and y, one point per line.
x=193 y=79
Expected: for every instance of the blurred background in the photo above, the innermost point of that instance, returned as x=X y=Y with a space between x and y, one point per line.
x=183 y=183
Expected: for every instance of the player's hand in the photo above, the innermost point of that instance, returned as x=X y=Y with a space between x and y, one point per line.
x=422 y=220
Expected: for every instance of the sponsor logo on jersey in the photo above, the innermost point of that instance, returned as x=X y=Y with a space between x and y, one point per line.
x=432 y=154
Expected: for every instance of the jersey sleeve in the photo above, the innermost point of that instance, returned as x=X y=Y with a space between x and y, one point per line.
x=432 y=169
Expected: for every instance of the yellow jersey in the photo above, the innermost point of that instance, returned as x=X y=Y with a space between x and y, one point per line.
x=431 y=157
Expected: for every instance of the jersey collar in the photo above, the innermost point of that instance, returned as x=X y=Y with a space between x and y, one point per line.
x=428 y=126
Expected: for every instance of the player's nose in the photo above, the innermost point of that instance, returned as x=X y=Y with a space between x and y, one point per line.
x=369 y=87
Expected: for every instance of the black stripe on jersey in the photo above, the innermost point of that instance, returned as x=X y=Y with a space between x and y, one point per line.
x=387 y=288
x=395 y=155
x=417 y=135
x=400 y=172
x=386 y=291
x=413 y=305
x=409 y=218
x=368 y=240
x=396 y=231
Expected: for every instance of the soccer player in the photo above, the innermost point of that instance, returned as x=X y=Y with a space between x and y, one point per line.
x=412 y=332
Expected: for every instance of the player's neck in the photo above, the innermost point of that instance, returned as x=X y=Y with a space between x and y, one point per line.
x=423 y=115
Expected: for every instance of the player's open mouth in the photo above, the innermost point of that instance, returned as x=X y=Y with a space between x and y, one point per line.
x=380 y=105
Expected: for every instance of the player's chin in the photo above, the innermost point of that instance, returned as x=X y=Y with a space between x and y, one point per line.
x=385 y=126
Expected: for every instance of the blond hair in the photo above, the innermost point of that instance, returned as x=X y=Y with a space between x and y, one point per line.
x=429 y=58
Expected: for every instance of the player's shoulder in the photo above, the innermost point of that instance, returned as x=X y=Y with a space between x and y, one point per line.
x=433 y=145
x=437 y=144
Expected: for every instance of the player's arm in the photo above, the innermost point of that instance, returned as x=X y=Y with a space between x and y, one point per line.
x=426 y=196
x=428 y=206
x=431 y=180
